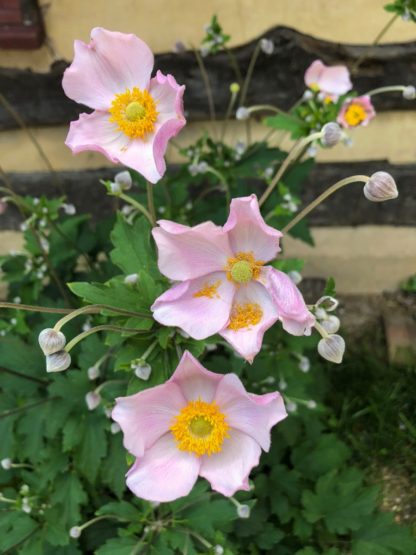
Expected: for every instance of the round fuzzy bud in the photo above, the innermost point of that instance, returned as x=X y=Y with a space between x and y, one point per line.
x=6 y=464
x=24 y=490
x=234 y=88
x=131 y=279
x=380 y=187
x=218 y=550
x=75 y=532
x=304 y=364
x=295 y=276
x=409 y=92
x=69 y=209
x=327 y=303
x=124 y=180
x=331 y=134
x=320 y=313
x=307 y=95
x=291 y=406
x=115 y=428
x=267 y=46
x=58 y=362
x=93 y=372
x=51 y=341
x=331 y=324
x=143 y=370
x=243 y=511
x=115 y=188
x=332 y=348
x=311 y=404
x=242 y=113
x=92 y=399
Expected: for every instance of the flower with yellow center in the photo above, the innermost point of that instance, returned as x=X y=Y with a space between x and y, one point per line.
x=135 y=112
x=355 y=114
x=243 y=267
x=200 y=428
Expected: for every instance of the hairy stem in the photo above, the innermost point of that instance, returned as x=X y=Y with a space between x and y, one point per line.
x=151 y=202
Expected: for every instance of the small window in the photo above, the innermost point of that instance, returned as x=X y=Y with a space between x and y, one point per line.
x=20 y=24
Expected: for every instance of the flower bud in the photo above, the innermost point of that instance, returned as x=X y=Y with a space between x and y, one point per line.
x=51 y=341
x=218 y=550
x=380 y=187
x=58 y=362
x=304 y=364
x=75 y=532
x=115 y=188
x=332 y=348
x=234 y=88
x=409 y=92
x=142 y=370
x=131 y=279
x=320 y=313
x=6 y=464
x=69 y=209
x=328 y=303
x=331 y=134
x=92 y=399
x=307 y=95
x=242 y=113
x=267 y=46
x=331 y=324
x=311 y=404
x=291 y=406
x=295 y=276
x=93 y=372
x=179 y=47
x=115 y=428
x=243 y=511
x=124 y=180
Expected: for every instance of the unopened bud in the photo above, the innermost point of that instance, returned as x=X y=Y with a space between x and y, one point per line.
x=115 y=428
x=409 y=92
x=58 y=362
x=331 y=324
x=115 y=188
x=311 y=404
x=331 y=134
x=131 y=279
x=307 y=95
x=320 y=313
x=6 y=464
x=69 y=209
x=242 y=113
x=291 y=406
x=142 y=370
x=75 y=532
x=304 y=364
x=51 y=341
x=380 y=187
x=124 y=180
x=267 y=46
x=218 y=550
x=332 y=348
x=92 y=399
x=234 y=88
x=243 y=511
x=328 y=303
x=93 y=372
x=295 y=276
x=179 y=47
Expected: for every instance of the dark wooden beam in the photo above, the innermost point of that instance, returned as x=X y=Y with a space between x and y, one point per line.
x=278 y=79
x=348 y=207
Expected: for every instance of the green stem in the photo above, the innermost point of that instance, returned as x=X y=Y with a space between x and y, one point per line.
x=249 y=73
x=26 y=407
x=323 y=196
x=322 y=331
x=136 y=205
x=33 y=308
x=24 y=376
x=151 y=202
x=231 y=104
x=205 y=78
x=234 y=65
x=380 y=90
x=149 y=350
x=271 y=108
x=94 y=309
x=218 y=174
x=378 y=38
x=96 y=329
x=293 y=154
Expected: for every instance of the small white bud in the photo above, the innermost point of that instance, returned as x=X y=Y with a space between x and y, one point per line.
x=269 y=380
x=291 y=406
x=86 y=326
x=93 y=372
x=6 y=464
x=115 y=428
x=304 y=364
x=243 y=511
x=24 y=490
x=124 y=180
x=69 y=209
x=115 y=188
x=131 y=279
x=320 y=313
x=312 y=151
x=58 y=362
x=380 y=187
x=193 y=169
x=295 y=276
x=267 y=46
x=331 y=324
x=332 y=348
x=307 y=95
x=75 y=532
x=92 y=399
x=327 y=303
x=143 y=371
x=218 y=550
x=17 y=300
x=331 y=134
x=13 y=321
x=202 y=167
x=311 y=404
x=282 y=384
x=24 y=227
x=409 y=93
x=51 y=341
x=242 y=113
x=108 y=411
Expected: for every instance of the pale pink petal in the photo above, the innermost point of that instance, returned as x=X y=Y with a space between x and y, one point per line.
x=313 y=73
x=290 y=306
x=191 y=252
x=199 y=316
x=252 y=414
x=248 y=232
x=111 y=63
x=247 y=341
x=147 y=415
x=140 y=156
x=228 y=471
x=335 y=80
x=195 y=381
x=365 y=103
x=164 y=473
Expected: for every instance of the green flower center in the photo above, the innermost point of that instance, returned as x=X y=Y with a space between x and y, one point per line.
x=242 y=272
x=135 y=111
x=200 y=426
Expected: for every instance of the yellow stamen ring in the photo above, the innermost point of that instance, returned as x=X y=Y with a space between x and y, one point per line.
x=243 y=268
x=355 y=114
x=135 y=112
x=245 y=316
x=200 y=428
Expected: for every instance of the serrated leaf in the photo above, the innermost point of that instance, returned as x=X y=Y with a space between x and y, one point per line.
x=69 y=495
x=92 y=447
x=119 y=546
x=206 y=518
x=114 y=467
x=314 y=458
x=113 y=293
x=380 y=535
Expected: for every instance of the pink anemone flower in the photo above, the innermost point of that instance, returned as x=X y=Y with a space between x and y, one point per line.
x=356 y=111
x=198 y=423
x=225 y=286
x=331 y=80
x=134 y=116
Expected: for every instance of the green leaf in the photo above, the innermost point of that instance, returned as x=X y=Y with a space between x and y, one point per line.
x=122 y=509
x=14 y=527
x=288 y=123
x=380 y=535
x=330 y=287
x=93 y=446
x=132 y=248
x=69 y=495
x=114 y=467
x=314 y=458
x=114 y=293
x=205 y=518
x=119 y=546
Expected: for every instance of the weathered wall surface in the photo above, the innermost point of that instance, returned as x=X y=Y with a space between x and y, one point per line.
x=363 y=259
